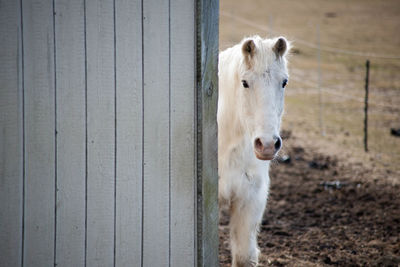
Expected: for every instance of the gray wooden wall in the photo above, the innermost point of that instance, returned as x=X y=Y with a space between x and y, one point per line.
x=108 y=133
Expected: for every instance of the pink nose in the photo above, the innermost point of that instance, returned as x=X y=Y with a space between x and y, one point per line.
x=267 y=150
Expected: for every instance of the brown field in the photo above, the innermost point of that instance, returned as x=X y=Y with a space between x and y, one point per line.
x=363 y=26
x=348 y=31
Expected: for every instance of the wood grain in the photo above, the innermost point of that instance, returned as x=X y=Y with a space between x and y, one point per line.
x=11 y=135
x=100 y=132
x=71 y=128
x=38 y=35
x=183 y=194
x=156 y=133
x=207 y=95
x=129 y=132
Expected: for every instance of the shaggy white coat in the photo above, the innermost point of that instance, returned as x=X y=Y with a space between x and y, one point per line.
x=243 y=115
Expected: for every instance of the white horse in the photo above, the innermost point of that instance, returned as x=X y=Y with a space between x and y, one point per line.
x=252 y=78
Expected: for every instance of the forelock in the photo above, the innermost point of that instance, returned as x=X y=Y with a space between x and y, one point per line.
x=263 y=57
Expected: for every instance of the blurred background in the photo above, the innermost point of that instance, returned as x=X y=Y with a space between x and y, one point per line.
x=324 y=129
x=331 y=42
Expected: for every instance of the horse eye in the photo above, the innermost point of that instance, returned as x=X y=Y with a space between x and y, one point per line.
x=245 y=84
x=284 y=83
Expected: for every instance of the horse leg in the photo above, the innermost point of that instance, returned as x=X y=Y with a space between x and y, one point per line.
x=246 y=215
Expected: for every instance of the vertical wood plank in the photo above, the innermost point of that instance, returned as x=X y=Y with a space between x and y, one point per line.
x=156 y=133
x=207 y=95
x=39 y=132
x=182 y=133
x=129 y=132
x=11 y=134
x=70 y=91
x=100 y=132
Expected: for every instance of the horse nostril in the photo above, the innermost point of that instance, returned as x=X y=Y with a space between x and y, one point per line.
x=278 y=144
x=258 y=144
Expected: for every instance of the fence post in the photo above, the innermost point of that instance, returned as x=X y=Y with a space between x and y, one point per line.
x=366 y=107
x=207 y=13
x=321 y=122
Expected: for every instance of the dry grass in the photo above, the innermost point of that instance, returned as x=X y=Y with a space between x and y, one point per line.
x=368 y=26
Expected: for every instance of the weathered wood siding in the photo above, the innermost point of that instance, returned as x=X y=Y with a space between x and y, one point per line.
x=108 y=133
x=11 y=135
x=207 y=159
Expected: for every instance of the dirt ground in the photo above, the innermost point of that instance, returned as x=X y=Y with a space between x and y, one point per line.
x=333 y=203
x=323 y=211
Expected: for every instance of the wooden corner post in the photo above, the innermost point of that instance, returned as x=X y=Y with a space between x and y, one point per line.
x=366 y=107
x=207 y=16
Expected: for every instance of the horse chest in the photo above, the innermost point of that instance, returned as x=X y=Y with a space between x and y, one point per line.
x=245 y=167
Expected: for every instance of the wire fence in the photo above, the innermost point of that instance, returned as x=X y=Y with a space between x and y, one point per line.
x=351 y=100
x=323 y=48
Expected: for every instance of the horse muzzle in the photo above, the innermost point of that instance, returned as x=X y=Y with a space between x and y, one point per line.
x=267 y=150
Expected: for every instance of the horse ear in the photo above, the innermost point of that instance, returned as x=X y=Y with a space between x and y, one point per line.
x=280 y=47
x=248 y=50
